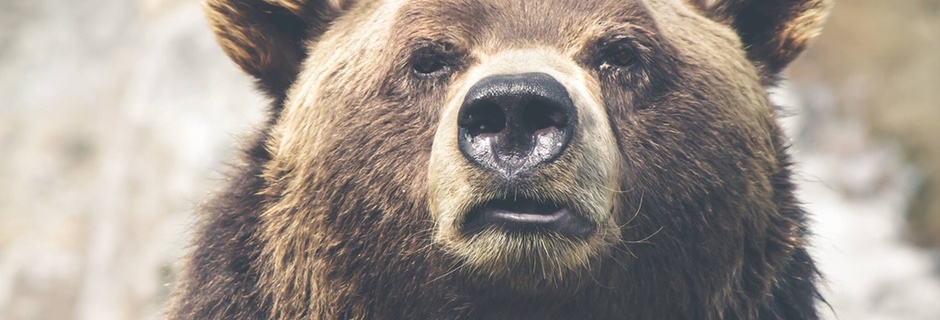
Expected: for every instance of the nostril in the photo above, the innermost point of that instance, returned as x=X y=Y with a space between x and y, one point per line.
x=540 y=115
x=483 y=117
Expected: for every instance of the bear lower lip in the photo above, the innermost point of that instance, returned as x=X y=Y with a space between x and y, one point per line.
x=498 y=215
x=526 y=216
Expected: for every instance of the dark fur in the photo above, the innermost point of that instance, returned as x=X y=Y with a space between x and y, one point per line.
x=711 y=225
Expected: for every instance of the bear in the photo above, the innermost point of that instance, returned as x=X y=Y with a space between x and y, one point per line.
x=494 y=159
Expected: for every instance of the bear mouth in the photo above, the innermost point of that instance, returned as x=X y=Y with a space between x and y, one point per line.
x=525 y=215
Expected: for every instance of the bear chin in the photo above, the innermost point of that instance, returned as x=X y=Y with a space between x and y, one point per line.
x=528 y=261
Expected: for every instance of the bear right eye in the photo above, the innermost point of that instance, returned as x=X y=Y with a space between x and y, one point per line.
x=429 y=65
x=433 y=59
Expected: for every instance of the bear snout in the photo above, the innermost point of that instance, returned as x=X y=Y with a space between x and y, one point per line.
x=513 y=123
x=522 y=169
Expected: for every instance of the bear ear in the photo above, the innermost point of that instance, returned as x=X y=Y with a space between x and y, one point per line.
x=266 y=38
x=774 y=32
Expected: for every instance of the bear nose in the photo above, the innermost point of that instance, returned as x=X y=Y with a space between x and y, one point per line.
x=512 y=123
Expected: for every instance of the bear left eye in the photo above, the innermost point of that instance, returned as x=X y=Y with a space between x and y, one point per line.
x=618 y=54
x=433 y=59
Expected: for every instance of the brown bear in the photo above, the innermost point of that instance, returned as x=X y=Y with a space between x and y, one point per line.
x=509 y=159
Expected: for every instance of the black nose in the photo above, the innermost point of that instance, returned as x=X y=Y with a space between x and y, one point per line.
x=513 y=123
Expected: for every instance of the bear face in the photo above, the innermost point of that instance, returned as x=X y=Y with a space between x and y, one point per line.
x=510 y=159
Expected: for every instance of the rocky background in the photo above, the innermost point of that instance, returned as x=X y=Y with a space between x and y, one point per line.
x=117 y=117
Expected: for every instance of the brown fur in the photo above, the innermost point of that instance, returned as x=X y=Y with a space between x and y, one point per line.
x=336 y=213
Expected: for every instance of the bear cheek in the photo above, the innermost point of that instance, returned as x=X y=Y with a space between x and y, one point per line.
x=449 y=182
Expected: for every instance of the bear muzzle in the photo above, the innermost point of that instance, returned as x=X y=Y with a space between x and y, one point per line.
x=523 y=168
x=510 y=125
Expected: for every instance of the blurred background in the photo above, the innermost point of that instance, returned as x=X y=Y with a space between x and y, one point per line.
x=117 y=117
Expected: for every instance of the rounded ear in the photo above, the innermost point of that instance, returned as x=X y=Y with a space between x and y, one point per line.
x=266 y=38
x=774 y=32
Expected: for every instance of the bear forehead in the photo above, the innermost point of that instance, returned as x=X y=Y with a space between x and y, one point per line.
x=499 y=23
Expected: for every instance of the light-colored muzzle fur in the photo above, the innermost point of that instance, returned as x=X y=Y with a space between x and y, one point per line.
x=584 y=177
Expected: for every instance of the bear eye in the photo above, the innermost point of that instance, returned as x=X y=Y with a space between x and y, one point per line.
x=433 y=59
x=429 y=65
x=618 y=54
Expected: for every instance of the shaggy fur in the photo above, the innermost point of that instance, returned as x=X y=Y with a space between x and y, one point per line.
x=350 y=199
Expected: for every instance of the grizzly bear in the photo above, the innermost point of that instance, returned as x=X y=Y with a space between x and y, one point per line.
x=509 y=159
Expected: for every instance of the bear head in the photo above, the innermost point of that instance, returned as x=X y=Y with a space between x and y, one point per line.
x=523 y=150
